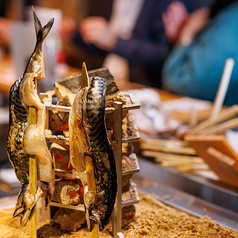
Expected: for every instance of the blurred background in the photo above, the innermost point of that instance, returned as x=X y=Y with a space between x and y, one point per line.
x=62 y=57
x=170 y=54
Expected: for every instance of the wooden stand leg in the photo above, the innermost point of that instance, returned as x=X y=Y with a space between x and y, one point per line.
x=117 y=148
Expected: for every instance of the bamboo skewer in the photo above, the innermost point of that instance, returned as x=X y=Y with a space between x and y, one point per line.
x=89 y=163
x=91 y=187
x=221 y=92
x=162 y=157
x=220 y=128
x=216 y=116
x=224 y=115
x=166 y=142
x=194 y=117
x=32 y=178
x=179 y=150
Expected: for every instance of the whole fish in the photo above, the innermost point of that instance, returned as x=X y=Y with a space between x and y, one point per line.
x=26 y=139
x=88 y=137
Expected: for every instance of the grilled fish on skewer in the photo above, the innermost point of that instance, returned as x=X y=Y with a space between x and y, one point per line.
x=26 y=139
x=88 y=137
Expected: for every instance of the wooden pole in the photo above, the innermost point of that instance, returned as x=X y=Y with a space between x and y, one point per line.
x=89 y=163
x=32 y=178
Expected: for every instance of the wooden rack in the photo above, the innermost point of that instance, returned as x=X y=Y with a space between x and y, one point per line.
x=116 y=141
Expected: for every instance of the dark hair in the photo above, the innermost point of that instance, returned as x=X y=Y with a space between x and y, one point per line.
x=219 y=5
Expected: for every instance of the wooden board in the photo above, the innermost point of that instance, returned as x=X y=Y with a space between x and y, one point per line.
x=218 y=154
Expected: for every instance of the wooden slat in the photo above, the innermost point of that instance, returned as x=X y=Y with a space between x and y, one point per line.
x=224 y=115
x=227 y=172
x=220 y=128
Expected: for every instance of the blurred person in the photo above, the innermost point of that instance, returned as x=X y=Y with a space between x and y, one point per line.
x=203 y=41
x=75 y=55
x=6 y=13
x=11 y=10
x=133 y=39
x=5 y=31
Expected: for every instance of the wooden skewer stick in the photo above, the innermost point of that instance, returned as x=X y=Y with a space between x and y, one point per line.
x=219 y=99
x=159 y=157
x=221 y=92
x=89 y=163
x=32 y=178
x=166 y=142
x=194 y=117
x=180 y=150
x=224 y=115
x=220 y=128
x=91 y=187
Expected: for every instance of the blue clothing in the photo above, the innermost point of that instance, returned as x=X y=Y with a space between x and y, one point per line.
x=195 y=70
x=147 y=48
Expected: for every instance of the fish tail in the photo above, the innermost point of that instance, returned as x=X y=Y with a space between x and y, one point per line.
x=41 y=32
x=36 y=58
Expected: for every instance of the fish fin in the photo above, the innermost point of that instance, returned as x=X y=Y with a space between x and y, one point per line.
x=25 y=216
x=41 y=32
x=48 y=190
x=25 y=203
x=18 y=211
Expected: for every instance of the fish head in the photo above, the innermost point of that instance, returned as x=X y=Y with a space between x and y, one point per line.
x=95 y=209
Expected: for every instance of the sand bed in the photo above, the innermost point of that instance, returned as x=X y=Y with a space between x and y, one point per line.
x=153 y=219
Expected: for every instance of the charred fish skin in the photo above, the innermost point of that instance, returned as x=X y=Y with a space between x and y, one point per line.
x=87 y=125
x=19 y=142
x=101 y=153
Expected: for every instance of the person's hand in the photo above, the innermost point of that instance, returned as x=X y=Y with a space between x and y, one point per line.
x=95 y=30
x=67 y=29
x=173 y=20
x=194 y=24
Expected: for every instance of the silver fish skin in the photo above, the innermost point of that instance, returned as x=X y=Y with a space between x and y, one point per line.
x=88 y=137
x=26 y=139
